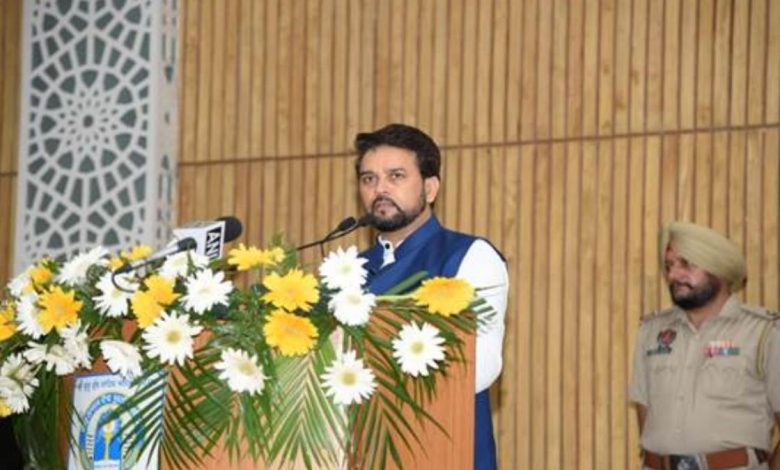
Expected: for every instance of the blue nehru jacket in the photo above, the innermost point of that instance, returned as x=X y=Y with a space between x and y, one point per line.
x=439 y=252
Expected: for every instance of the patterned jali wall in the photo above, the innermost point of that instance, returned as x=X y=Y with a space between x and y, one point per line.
x=97 y=145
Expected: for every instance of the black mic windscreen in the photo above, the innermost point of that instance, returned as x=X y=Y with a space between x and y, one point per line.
x=346 y=224
x=185 y=244
x=233 y=228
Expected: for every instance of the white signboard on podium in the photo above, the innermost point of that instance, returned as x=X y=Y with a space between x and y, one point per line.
x=98 y=441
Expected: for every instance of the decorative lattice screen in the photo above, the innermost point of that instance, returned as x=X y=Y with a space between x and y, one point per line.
x=98 y=128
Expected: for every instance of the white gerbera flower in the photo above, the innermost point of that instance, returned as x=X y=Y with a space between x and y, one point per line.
x=205 y=290
x=170 y=338
x=75 y=270
x=343 y=269
x=114 y=302
x=20 y=283
x=13 y=395
x=418 y=348
x=75 y=343
x=347 y=380
x=27 y=316
x=241 y=371
x=36 y=353
x=178 y=264
x=53 y=357
x=15 y=369
x=352 y=306
x=122 y=358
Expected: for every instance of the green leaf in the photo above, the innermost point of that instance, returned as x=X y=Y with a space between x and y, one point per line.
x=407 y=283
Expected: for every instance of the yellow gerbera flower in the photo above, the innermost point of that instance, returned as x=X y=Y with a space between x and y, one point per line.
x=161 y=290
x=5 y=410
x=294 y=290
x=246 y=258
x=137 y=252
x=277 y=254
x=443 y=295
x=293 y=335
x=40 y=275
x=145 y=308
x=58 y=309
x=115 y=263
x=7 y=324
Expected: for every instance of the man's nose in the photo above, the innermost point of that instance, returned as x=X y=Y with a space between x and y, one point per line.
x=675 y=272
x=382 y=186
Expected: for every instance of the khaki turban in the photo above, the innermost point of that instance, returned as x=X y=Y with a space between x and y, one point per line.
x=706 y=249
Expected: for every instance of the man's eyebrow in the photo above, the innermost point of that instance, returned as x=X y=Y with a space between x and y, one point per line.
x=384 y=170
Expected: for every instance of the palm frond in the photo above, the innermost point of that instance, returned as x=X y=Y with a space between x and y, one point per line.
x=305 y=424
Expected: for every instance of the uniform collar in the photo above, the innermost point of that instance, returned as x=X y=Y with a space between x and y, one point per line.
x=731 y=309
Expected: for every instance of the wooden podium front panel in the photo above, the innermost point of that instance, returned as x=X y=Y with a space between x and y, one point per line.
x=453 y=408
x=221 y=461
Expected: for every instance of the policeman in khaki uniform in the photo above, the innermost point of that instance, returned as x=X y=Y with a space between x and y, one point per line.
x=707 y=372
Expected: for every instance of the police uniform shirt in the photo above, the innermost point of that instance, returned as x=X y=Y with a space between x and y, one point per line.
x=711 y=389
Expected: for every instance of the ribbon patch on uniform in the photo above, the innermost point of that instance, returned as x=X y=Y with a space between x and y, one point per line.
x=665 y=339
x=721 y=347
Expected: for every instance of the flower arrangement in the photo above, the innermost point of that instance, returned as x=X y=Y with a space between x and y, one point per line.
x=292 y=367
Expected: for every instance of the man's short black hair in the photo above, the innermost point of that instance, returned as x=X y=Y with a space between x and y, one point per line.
x=405 y=137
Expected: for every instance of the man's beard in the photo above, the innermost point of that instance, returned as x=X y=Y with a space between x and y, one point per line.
x=696 y=297
x=400 y=219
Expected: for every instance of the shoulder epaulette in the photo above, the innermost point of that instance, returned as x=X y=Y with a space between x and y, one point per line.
x=771 y=317
x=761 y=312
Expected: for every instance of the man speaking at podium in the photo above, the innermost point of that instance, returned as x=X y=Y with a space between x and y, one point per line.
x=398 y=168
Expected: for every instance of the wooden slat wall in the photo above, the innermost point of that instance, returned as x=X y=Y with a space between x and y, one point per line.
x=571 y=131
x=10 y=89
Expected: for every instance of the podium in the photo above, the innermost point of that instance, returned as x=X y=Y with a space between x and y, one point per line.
x=218 y=375
x=452 y=408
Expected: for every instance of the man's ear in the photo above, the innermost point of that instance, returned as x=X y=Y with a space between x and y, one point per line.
x=431 y=188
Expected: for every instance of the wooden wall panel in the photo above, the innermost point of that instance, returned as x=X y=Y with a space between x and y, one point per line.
x=571 y=131
x=10 y=90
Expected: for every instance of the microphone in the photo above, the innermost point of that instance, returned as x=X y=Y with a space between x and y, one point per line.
x=181 y=245
x=205 y=238
x=345 y=224
x=344 y=228
x=210 y=236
